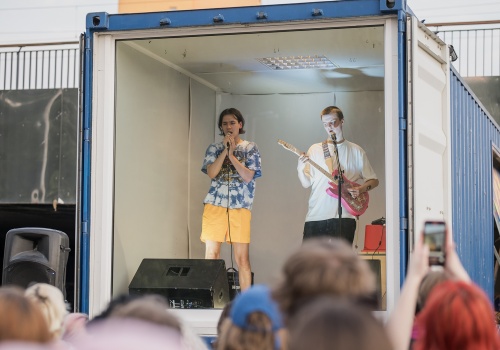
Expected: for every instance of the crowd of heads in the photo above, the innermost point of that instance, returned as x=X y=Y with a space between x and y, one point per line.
x=324 y=300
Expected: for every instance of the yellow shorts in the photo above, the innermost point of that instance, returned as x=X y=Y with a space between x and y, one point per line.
x=215 y=222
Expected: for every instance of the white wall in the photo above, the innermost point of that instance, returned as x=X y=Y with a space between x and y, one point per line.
x=151 y=163
x=44 y=21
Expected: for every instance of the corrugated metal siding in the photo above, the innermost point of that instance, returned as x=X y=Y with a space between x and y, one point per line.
x=473 y=133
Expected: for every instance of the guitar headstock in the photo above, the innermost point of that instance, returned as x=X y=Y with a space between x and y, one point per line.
x=285 y=145
x=289 y=147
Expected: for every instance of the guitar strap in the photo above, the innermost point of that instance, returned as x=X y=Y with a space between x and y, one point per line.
x=328 y=157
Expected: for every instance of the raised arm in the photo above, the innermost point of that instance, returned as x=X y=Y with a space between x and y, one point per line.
x=400 y=321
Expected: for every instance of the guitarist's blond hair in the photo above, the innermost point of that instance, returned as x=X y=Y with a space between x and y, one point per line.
x=332 y=110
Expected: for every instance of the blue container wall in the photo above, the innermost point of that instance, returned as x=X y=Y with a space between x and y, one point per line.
x=473 y=133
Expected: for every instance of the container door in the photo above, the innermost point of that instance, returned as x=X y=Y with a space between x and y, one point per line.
x=429 y=151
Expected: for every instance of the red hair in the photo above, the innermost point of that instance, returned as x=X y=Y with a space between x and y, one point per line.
x=457 y=315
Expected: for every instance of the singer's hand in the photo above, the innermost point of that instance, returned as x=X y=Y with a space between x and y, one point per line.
x=229 y=142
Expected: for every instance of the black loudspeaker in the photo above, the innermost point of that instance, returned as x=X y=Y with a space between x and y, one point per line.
x=186 y=283
x=35 y=255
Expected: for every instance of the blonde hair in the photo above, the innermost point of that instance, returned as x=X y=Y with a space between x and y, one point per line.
x=50 y=301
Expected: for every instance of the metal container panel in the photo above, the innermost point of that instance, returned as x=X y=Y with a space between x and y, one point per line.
x=473 y=134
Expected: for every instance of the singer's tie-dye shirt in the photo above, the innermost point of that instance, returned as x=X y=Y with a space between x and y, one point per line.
x=240 y=194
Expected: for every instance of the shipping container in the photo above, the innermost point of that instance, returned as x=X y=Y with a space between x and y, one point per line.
x=155 y=83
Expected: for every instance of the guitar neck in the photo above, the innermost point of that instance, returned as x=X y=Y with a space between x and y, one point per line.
x=323 y=171
x=313 y=163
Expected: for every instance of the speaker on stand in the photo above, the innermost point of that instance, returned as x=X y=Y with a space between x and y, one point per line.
x=35 y=255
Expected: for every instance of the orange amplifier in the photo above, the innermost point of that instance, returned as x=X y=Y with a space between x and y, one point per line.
x=374 y=238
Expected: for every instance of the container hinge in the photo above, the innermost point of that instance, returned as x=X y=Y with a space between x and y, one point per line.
x=317 y=12
x=403 y=223
x=401 y=22
x=165 y=22
x=218 y=19
x=85 y=227
x=86 y=135
x=403 y=124
x=261 y=15
x=87 y=43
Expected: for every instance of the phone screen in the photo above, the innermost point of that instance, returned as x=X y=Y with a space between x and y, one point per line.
x=435 y=238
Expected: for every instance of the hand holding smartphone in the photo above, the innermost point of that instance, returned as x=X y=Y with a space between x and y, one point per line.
x=435 y=238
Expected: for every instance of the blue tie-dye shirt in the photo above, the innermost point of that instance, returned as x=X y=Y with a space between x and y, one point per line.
x=241 y=194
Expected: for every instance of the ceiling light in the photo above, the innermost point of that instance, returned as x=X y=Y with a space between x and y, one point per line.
x=297 y=62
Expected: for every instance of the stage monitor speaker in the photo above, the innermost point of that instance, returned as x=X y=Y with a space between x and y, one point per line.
x=35 y=255
x=186 y=283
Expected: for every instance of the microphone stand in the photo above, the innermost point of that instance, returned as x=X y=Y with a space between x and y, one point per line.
x=229 y=222
x=228 y=192
x=340 y=179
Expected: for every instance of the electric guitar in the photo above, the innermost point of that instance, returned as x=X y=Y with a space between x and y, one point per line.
x=355 y=206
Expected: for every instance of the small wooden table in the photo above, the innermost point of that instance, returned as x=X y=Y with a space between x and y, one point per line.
x=379 y=268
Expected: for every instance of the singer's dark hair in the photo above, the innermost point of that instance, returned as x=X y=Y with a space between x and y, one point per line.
x=332 y=110
x=237 y=114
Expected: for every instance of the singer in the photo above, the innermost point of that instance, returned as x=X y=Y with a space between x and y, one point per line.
x=233 y=165
x=323 y=215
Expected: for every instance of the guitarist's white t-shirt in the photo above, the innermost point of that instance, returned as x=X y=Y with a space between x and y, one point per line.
x=356 y=166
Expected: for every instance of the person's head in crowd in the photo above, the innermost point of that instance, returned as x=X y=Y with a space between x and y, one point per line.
x=128 y=334
x=324 y=267
x=116 y=302
x=327 y=323
x=149 y=308
x=254 y=322
x=457 y=315
x=431 y=279
x=20 y=318
x=152 y=309
x=51 y=302
x=223 y=316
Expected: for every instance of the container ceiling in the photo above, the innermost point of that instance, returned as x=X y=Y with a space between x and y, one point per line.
x=229 y=62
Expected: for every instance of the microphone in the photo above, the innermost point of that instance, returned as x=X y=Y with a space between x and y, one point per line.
x=334 y=137
x=227 y=144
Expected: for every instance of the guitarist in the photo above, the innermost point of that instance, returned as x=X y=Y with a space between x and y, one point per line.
x=322 y=217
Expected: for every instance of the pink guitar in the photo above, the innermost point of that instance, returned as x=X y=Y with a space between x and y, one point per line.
x=355 y=206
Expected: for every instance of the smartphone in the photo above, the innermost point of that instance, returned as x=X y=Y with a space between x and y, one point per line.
x=435 y=238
